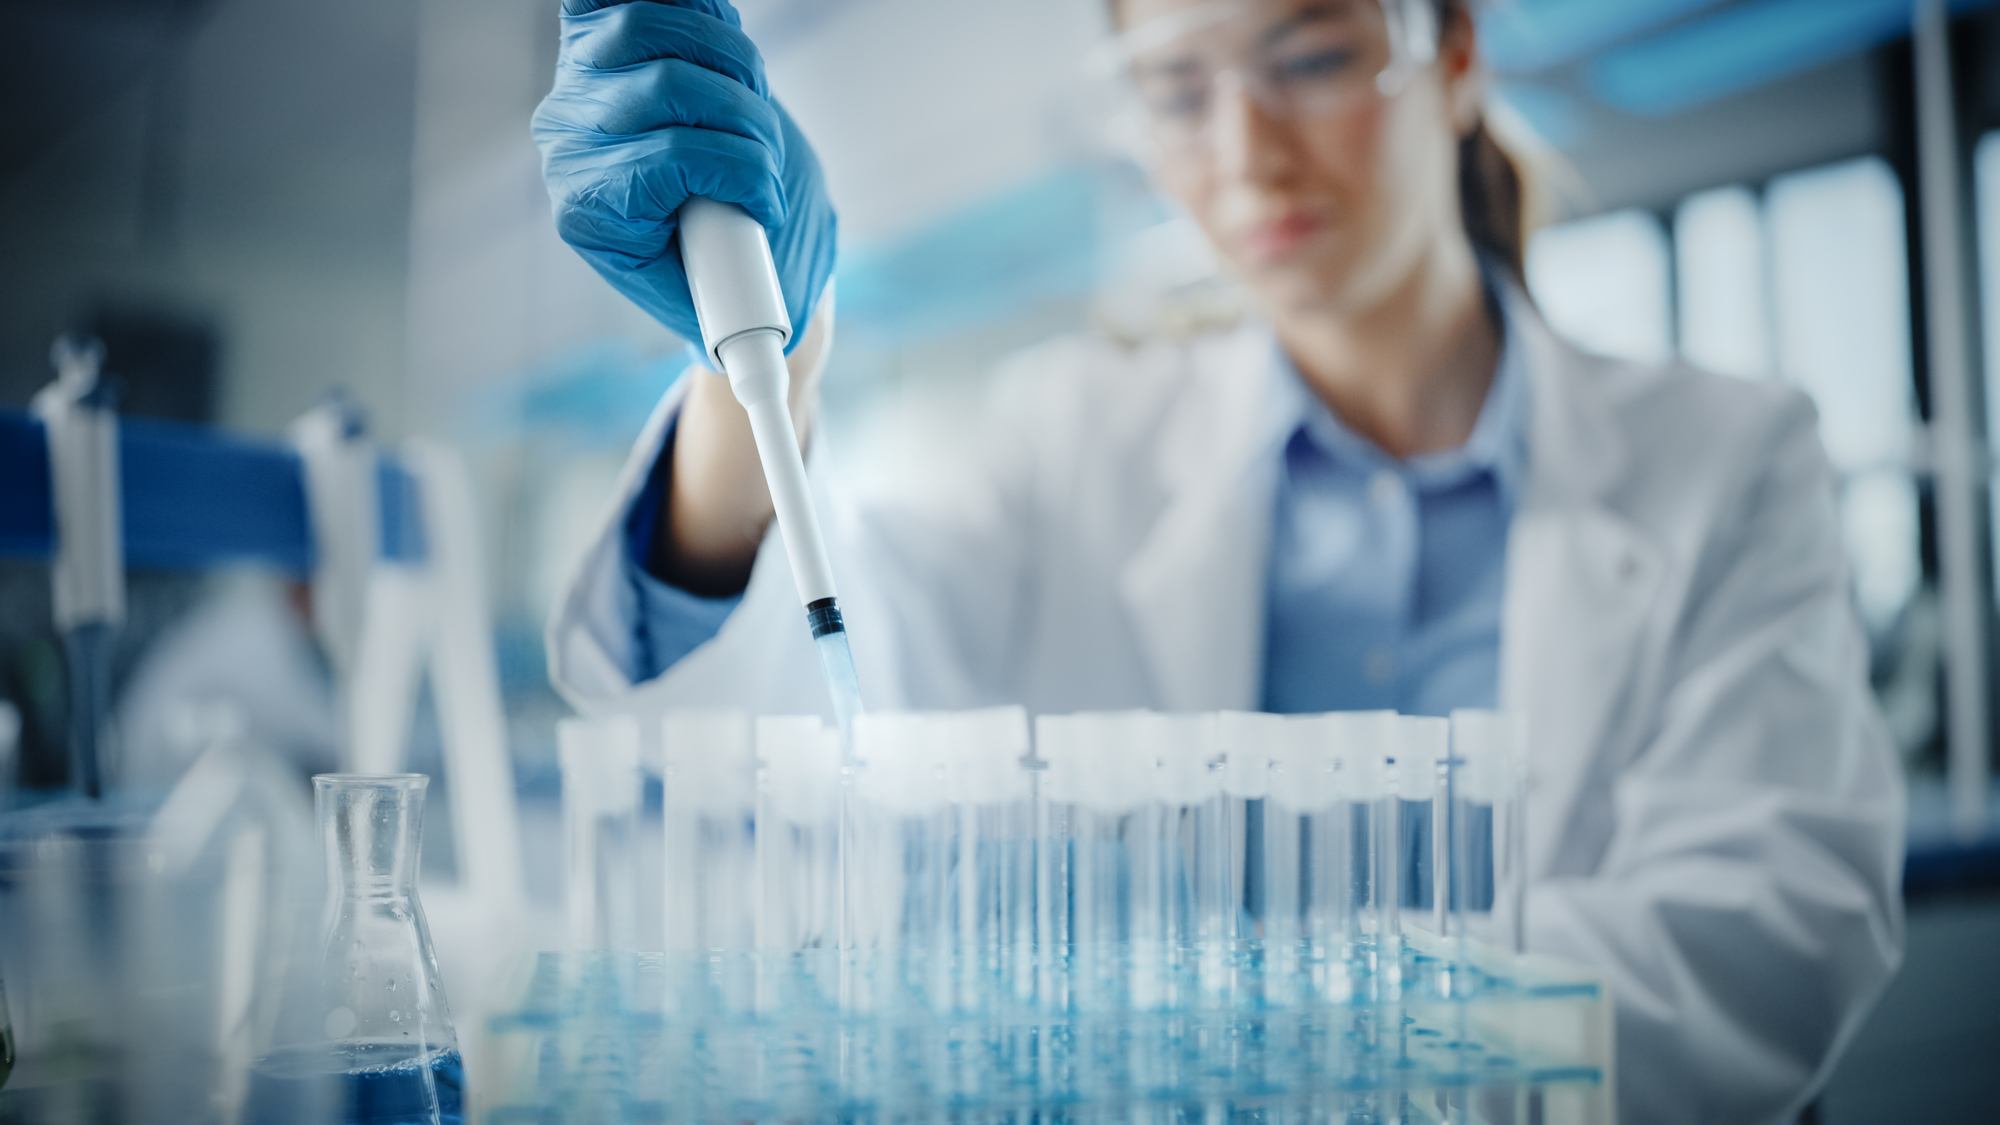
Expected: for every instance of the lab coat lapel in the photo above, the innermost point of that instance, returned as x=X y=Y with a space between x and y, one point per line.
x=1194 y=589
x=1581 y=578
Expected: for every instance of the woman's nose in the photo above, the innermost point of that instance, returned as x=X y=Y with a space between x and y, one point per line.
x=1251 y=142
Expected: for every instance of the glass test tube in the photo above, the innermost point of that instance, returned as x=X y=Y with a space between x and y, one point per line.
x=1090 y=796
x=895 y=864
x=988 y=788
x=708 y=776
x=1057 y=776
x=1384 y=834
x=1420 y=745
x=796 y=860
x=1489 y=782
x=1308 y=780
x=1171 y=837
x=1245 y=742
x=600 y=788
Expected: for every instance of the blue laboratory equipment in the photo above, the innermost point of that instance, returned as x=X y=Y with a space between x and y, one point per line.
x=370 y=1041
x=1141 y=916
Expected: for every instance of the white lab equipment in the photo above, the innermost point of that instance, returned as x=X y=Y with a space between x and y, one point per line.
x=88 y=577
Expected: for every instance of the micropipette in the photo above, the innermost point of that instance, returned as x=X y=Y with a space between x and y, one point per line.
x=744 y=328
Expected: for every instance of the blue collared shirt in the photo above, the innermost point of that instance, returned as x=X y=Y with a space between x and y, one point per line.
x=1385 y=579
x=1386 y=575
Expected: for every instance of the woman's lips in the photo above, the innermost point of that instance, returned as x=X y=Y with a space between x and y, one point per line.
x=1274 y=239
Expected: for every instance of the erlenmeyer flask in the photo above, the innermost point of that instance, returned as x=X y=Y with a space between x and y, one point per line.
x=374 y=1043
x=6 y=1038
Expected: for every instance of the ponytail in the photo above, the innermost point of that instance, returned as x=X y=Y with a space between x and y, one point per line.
x=1493 y=195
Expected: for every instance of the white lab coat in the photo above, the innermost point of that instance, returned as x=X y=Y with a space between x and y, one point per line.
x=1716 y=816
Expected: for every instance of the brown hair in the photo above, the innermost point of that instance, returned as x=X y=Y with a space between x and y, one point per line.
x=1494 y=191
x=1493 y=188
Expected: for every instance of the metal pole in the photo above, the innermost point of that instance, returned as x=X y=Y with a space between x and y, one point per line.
x=1953 y=427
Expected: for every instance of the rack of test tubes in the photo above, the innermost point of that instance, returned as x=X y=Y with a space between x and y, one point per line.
x=1129 y=915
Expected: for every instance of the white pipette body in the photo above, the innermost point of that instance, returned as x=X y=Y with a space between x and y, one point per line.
x=744 y=329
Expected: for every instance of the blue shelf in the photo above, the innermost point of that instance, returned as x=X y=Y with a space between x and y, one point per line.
x=194 y=499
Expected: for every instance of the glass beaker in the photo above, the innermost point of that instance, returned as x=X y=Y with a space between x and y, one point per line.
x=372 y=1042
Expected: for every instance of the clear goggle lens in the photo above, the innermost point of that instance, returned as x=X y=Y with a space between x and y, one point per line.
x=1179 y=71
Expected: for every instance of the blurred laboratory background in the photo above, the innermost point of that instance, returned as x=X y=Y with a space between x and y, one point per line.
x=261 y=206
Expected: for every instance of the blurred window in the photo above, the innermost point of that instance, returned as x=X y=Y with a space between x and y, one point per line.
x=1723 y=282
x=1840 y=279
x=1602 y=282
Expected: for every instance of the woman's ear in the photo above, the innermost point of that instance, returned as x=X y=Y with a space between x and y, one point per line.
x=1462 y=70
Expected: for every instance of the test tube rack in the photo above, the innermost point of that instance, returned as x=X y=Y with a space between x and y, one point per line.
x=1132 y=915
x=756 y=1037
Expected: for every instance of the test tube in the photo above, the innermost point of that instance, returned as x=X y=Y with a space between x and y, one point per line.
x=599 y=758
x=1057 y=774
x=1377 y=806
x=795 y=880
x=1244 y=741
x=1420 y=745
x=708 y=775
x=1171 y=838
x=1489 y=806
x=898 y=852
x=1308 y=793
x=796 y=859
x=987 y=785
x=1094 y=789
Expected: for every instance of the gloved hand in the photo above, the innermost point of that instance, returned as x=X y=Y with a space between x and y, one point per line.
x=659 y=100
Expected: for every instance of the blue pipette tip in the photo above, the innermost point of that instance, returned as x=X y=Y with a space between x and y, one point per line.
x=836 y=660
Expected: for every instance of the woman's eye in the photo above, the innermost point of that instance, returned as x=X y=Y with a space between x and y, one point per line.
x=1312 y=65
x=1177 y=101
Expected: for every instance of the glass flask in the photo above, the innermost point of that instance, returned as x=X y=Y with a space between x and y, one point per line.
x=371 y=1040
x=6 y=1038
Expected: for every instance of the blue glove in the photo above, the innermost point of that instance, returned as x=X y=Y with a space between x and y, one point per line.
x=659 y=100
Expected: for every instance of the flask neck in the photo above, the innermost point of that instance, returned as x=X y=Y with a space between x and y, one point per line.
x=371 y=827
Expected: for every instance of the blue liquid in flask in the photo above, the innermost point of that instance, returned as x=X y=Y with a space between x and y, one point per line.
x=358 y=1083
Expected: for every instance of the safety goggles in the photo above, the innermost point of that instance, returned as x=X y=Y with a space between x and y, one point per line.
x=1178 y=76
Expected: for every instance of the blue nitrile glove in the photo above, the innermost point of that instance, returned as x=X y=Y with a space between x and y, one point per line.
x=658 y=100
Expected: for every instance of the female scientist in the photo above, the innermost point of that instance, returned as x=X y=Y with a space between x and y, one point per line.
x=1396 y=489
